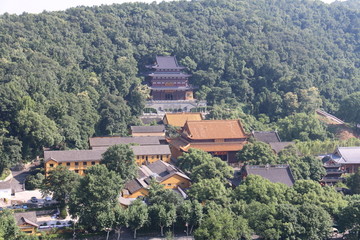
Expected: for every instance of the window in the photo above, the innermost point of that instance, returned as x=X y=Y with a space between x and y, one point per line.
x=84 y=163
x=142 y=157
x=67 y=164
x=161 y=157
x=77 y=171
x=51 y=165
x=92 y=163
x=60 y=164
x=76 y=164
x=157 y=156
x=137 y=157
x=169 y=184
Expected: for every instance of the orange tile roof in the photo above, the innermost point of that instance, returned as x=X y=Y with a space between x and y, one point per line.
x=207 y=147
x=179 y=119
x=214 y=129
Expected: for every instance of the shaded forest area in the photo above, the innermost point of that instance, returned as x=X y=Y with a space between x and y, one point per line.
x=65 y=76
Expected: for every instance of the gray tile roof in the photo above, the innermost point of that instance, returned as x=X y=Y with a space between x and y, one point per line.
x=148 y=129
x=274 y=173
x=167 y=62
x=279 y=146
x=74 y=155
x=159 y=170
x=347 y=155
x=5 y=185
x=109 y=141
x=266 y=136
x=26 y=217
x=151 y=150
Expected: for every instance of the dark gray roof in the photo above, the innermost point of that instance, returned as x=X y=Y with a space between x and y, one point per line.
x=151 y=150
x=167 y=62
x=74 y=155
x=159 y=170
x=274 y=173
x=279 y=146
x=5 y=185
x=109 y=141
x=267 y=137
x=150 y=119
x=26 y=217
x=148 y=129
x=133 y=186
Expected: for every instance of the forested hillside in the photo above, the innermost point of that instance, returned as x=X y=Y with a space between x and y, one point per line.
x=65 y=76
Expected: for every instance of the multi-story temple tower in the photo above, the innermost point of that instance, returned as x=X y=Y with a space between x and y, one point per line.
x=168 y=81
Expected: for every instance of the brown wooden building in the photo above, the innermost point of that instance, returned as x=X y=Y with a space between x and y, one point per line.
x=27 y=222
x=221 y=138
x=168 y=81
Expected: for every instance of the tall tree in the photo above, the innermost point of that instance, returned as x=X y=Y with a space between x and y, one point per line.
x=115 y=115
x=137 y=215
x=121 y=159
x=61 y=183
x=10 y=152
x=223 y=225
x=8 y=226
x=191 y=212
x=95 y=199
x=257 y=153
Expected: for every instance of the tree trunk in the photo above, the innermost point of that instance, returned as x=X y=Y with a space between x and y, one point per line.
x=119 y=233
x=135 y=233
x=191 y=229
x=187 y=229
x=162 y=230
x=107 y=235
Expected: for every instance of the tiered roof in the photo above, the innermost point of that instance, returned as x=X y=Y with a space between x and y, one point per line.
x=166 y=62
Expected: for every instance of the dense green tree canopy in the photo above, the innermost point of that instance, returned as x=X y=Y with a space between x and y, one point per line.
x=61 y=182
x=95 y=198
x=121 y=159
x=256 y=153
x=78 y=70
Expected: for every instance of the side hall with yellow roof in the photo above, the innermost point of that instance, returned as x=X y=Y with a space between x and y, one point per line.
x=179 y=119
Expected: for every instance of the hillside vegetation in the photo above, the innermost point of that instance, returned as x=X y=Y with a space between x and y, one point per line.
x=65 y=76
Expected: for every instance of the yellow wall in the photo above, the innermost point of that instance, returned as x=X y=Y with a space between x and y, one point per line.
x=28 y=229
x=176 y=181
x=140 y=160
x=146 y=159
x=140 y=192
x=72 y=165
